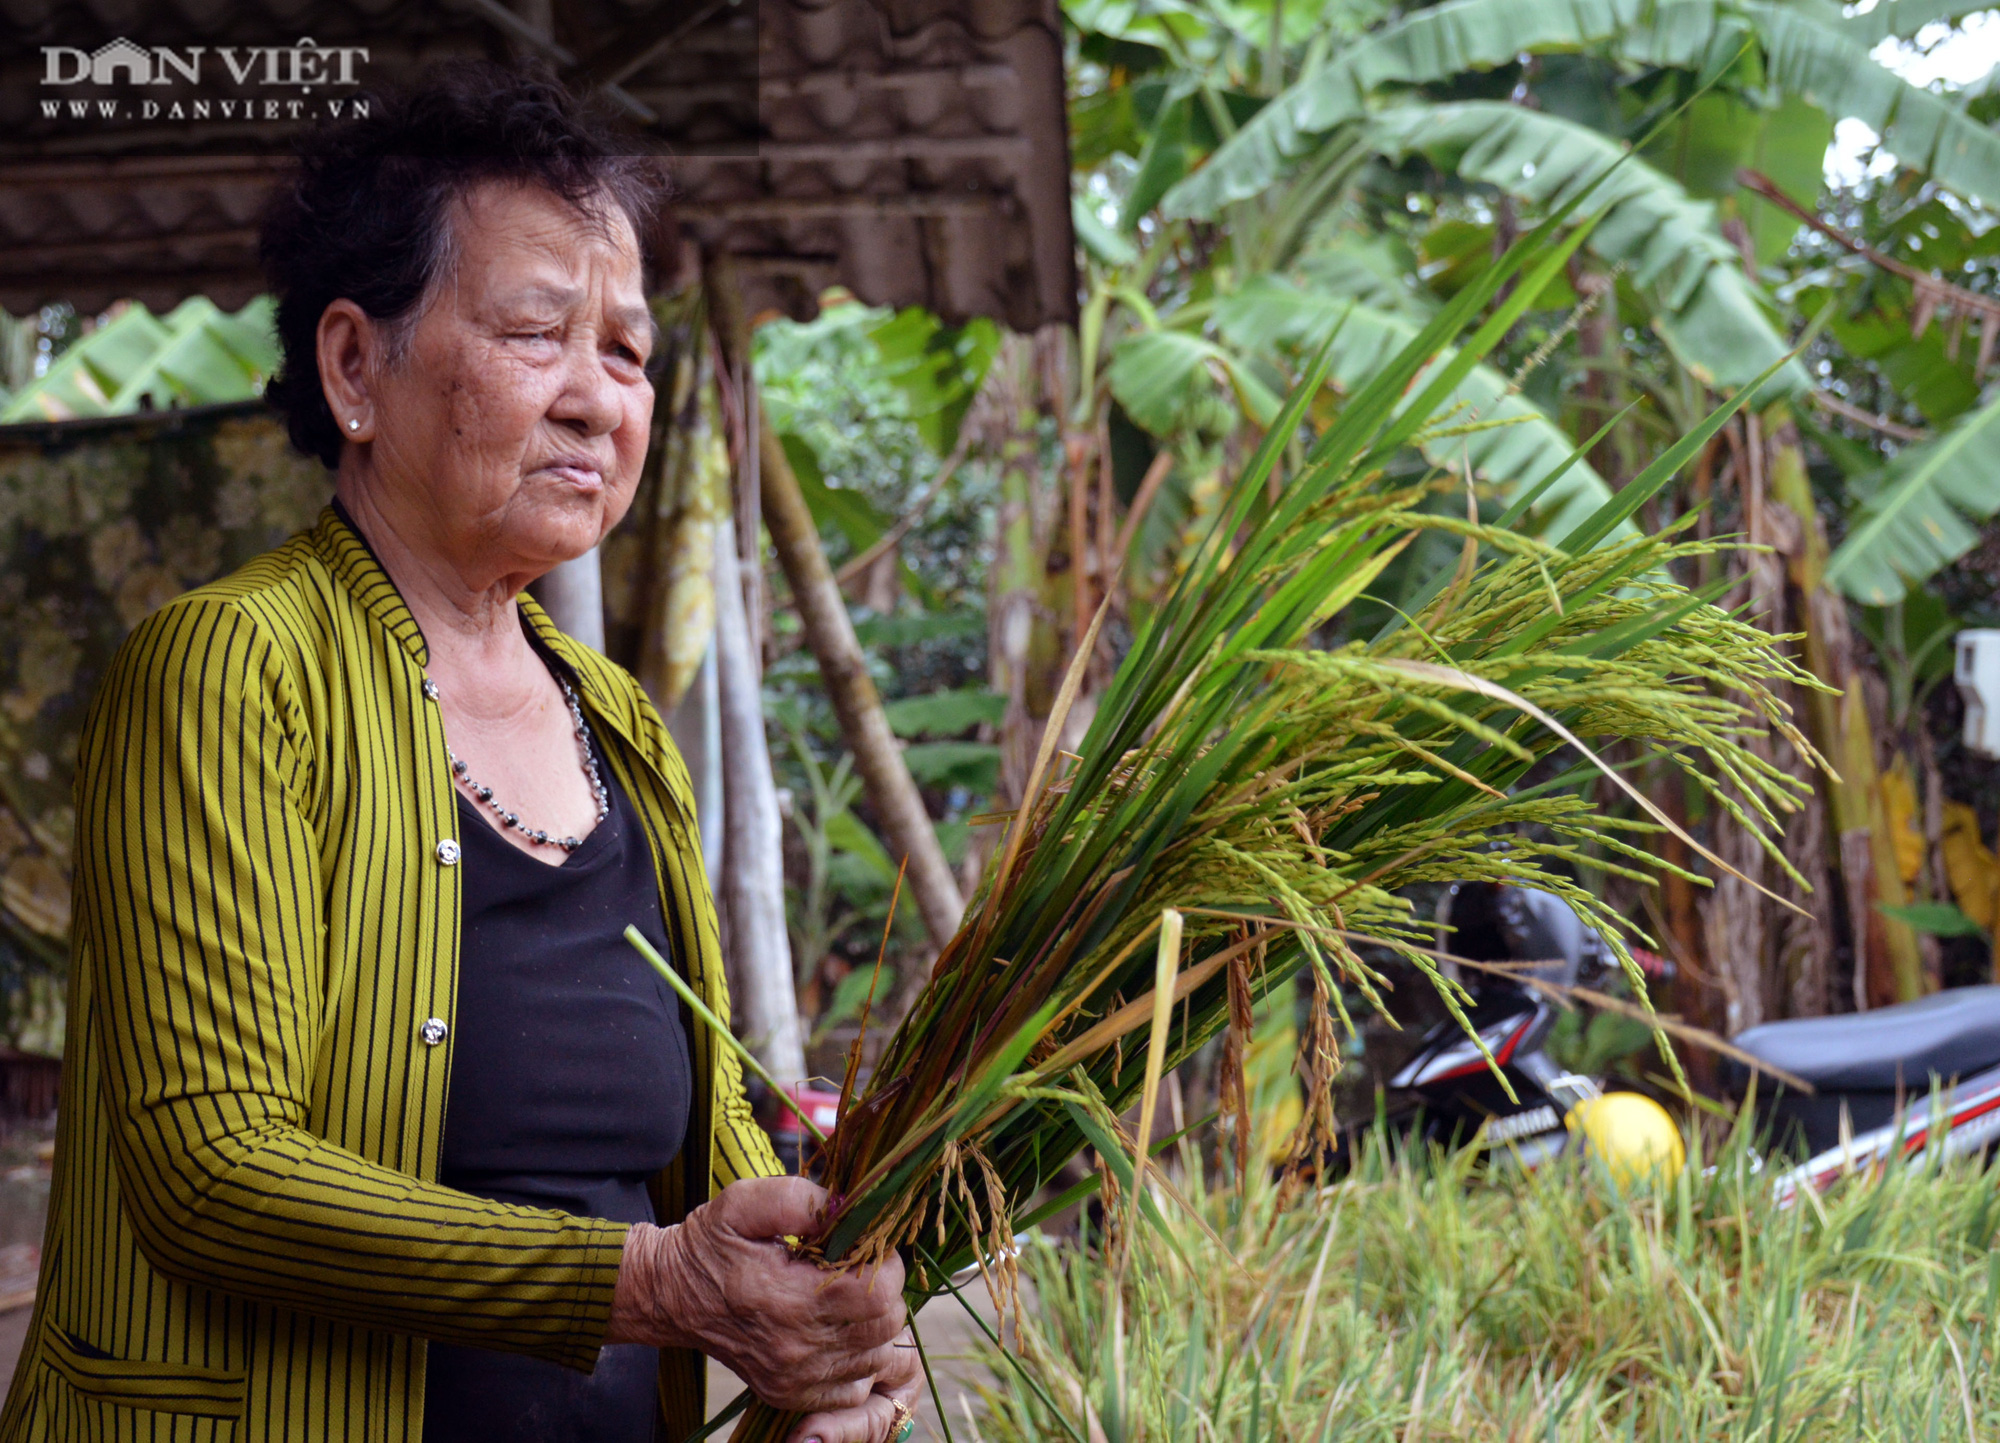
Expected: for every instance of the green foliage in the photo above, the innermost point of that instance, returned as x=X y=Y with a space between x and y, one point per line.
x=850 y=994
x=1714 y=319
x=944 y=713
x=1912 y=641
x=820 y=910
x=1788 y=144
x=1940 y=919
x=936 y=367
x=1418 y=1299
x=1902 y=19
x=194 y=356
x=1704 y=88
x=860 y=860
x=1484 y=419
x=864 y=400
x=1920 y=369
x=1797 y=50
x=1922 y=516
x=1599 y=1043
x=1100 y=242
x=1169 y=381
x=911 y=630
x=974 y=766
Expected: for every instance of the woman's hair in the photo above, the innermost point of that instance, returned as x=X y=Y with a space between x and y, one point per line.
x=368 y=216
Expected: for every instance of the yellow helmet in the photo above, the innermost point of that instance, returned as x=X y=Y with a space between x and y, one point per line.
x=1632 y=1133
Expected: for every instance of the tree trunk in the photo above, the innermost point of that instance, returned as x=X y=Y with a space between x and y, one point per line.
x=829 y=632
x=766 y=1012
x=1738 y=930
x=1888 y=966
x=1697 y=995
x=1804 y=944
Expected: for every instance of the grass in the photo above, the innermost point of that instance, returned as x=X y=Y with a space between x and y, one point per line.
x=1423 y=1300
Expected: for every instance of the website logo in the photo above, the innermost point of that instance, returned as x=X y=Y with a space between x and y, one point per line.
x=202 y=82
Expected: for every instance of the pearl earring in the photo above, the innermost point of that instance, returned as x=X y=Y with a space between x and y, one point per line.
x=352 y=424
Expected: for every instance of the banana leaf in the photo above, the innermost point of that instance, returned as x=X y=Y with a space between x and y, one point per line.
x=1925 y=513
x=1805 y=52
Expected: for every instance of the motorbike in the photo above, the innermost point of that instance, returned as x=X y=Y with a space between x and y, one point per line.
x=1896 y=1081
x=1446 y=1092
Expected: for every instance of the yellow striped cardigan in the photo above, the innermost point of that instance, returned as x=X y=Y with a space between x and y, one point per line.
x=246 y=1240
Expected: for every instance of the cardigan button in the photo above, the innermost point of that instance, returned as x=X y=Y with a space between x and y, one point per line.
x=433 y=1032
x=430 y=689
x=448 y=853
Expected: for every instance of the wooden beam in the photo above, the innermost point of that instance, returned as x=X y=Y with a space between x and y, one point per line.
x=34 y=176
x=24 y=261
x=832 y=82
x=501 y=18
x=784 y=207
x=1011 y=148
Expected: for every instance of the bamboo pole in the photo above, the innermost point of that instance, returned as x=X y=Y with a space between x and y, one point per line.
x=830 y=635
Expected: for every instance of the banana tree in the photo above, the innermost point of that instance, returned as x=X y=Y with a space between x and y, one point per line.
x=1782 y=73
x=1907 y=274
x=1805 y=50
x=1260 y=166
x=1280 y=241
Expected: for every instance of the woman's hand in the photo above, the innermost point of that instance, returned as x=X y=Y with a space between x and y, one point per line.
x=804 y=1339
x=876 y=1419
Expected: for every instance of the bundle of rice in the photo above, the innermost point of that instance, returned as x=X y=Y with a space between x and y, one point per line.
x=1269 y=800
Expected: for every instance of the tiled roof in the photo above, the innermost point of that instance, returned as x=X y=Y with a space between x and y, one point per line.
x=914 y=151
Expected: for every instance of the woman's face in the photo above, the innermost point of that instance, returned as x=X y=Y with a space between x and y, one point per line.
x=513 y=428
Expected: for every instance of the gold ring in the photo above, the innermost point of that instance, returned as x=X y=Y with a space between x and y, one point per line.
x=906 y=1421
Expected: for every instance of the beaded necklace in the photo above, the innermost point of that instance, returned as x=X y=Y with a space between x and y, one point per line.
x=511 y=820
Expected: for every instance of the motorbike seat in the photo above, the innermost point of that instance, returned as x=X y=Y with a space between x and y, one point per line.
x=1948 y=1035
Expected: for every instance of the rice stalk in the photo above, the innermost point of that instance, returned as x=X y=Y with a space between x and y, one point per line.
x=1280 y=798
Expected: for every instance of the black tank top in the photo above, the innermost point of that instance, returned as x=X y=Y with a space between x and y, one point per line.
x=570 y=1087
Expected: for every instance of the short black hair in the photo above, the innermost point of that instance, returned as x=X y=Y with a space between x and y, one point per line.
x=367 y=216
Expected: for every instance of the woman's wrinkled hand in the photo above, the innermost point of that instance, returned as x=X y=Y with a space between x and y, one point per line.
x=725 y=1282
x=875 y=1419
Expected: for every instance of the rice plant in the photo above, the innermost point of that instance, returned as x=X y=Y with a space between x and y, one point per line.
x=1408 y=1303
x=1275 y=798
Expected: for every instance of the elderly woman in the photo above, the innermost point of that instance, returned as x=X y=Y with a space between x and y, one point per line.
x=373 y=1127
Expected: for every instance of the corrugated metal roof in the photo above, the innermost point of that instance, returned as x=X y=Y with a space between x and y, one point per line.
x=914 y=151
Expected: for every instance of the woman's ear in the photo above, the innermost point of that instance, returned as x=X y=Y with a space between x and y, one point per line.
x=350 y=345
